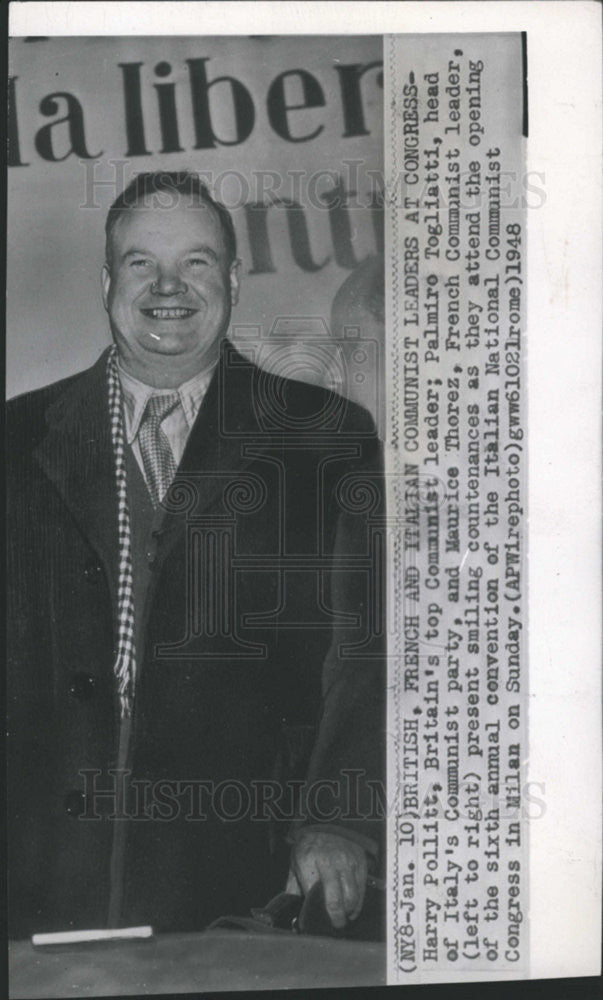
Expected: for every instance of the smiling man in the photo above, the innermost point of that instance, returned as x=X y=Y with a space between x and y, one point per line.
x=195 y=662
x=169 y=282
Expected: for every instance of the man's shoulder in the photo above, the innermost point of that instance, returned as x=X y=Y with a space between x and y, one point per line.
x=36 y=401
x=309 y=407
x=27 y=414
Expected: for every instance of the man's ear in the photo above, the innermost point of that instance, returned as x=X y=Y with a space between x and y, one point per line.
x=105 y=285
x=235 y=281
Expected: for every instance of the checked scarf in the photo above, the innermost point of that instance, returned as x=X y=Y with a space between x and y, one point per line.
x=125 y=662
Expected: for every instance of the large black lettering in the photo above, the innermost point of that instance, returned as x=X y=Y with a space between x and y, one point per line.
x=242 y=103
x=133 y=109
x=351 y=97
x=299 y=237
x=14 y=150
x=259 y=241
x=75 y=122
x=278 y=109
x=168 y=114
x=341 y=231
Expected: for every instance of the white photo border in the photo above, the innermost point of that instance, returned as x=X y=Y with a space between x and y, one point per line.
x=564 y=322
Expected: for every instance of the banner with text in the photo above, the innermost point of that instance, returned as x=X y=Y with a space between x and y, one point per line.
x=287 y=132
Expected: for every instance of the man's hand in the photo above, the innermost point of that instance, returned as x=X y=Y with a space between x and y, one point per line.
x=339 y=864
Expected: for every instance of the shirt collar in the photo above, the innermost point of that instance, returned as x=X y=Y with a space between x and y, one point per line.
x=136 y=395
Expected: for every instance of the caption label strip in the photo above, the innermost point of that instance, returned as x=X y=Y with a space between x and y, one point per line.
x=456 y=448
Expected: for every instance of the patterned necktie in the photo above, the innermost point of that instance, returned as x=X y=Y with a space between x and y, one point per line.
x=157 y=456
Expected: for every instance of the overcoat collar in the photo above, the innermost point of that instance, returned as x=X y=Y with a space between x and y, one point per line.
x=217 y=450
x=77 y=454
x=77 y=457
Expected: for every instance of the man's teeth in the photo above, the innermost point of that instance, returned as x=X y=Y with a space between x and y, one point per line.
x=169 y=313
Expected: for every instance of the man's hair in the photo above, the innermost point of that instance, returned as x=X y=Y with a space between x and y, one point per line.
x=144 y=190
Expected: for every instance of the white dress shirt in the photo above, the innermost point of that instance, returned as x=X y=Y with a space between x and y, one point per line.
x=178 y=424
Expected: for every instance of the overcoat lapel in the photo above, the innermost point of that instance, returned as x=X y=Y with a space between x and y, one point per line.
x=77 y=457
x=77 y=454
x=216 y=450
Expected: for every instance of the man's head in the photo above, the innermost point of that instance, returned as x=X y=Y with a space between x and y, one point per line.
x=170 y=278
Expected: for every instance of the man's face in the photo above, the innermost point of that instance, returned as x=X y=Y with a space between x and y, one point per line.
x=170 y=289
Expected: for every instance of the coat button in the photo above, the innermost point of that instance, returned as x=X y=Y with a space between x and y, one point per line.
x=75 y=803
x=82 y=687
x=93 y=573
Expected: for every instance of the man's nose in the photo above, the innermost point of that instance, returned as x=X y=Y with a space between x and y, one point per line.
x=168 y=282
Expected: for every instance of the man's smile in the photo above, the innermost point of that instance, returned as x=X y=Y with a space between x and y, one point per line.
x=173 y=312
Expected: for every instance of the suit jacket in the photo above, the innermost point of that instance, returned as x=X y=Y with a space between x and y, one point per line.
x=262 y=655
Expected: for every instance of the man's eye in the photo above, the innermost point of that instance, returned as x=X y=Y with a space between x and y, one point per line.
x=141 y=263
x=197 y=262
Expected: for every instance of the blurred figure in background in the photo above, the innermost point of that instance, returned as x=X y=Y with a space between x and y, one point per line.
x=358 y=327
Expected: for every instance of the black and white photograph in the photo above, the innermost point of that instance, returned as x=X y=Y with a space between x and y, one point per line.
x=282 y=667
x=197 y=691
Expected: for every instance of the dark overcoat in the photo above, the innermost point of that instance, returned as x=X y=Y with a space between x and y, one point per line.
x=263 y=640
